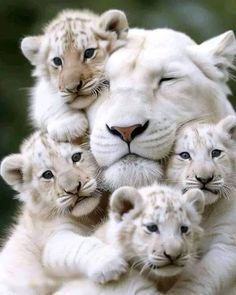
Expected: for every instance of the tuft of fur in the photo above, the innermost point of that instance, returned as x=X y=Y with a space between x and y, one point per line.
x=204 y=158
x=69 y=59
x=57 y=184
x=157 y=230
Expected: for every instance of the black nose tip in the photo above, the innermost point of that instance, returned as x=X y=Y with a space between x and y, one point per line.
x=128 y=133
x=204 y=180
x=79 y=86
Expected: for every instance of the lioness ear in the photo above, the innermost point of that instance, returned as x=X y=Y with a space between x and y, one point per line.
x=228 y=125
x=30 y=48
x=222 y=50
x=196 y=199
x=115 y=24
x=125 y=202
x=11 y=170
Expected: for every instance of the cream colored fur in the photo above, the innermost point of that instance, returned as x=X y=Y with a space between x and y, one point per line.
x=58 y=187
x=215 y=273
x=160 y=256
x=160 y=78
x=63 y=90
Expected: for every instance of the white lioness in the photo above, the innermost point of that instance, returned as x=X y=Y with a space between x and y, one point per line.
x=69 y=61
x=157 y=231
x=205 y=157
x=57 y=184
x=158 y=80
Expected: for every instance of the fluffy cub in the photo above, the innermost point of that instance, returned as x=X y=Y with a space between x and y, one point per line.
x=58 y=187
x=69 y=59
x=157 y=230
x=204 y=157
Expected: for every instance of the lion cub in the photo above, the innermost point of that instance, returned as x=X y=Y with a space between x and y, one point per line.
x=69 y=59
x=157 y=231
x=57 y=185
x=204 y=157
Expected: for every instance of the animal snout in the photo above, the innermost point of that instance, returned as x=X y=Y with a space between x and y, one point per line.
x=75 y=190
x=74 y=87
x=173 y=256
x=128 y=133
x=204 y=180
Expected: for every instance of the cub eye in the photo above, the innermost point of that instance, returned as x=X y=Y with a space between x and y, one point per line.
x=165 y=79
x=57 y=61
x=76 y=157
x=47 y=174
x=184 y=229
x=216 y=153
x=153 y=228
x=185 y=155
x=89 y=53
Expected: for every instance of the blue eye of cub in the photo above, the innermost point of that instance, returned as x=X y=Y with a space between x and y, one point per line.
x=47 y=174
x=89 y=53
x=76 y=157
x=185 y=155
x=57 y=61
x=153 y=228
x=183 y=229
x=216 y=153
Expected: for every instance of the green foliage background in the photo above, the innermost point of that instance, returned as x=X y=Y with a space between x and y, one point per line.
x=200 y=19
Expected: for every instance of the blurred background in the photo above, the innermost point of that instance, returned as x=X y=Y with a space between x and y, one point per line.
x=201 y=19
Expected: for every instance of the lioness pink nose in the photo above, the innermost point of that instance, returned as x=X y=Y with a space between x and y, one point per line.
x=128 y=133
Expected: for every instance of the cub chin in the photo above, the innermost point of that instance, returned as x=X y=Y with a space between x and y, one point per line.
x=69 y=59
x=58 y=188
x=157 y=231
x=204 y=157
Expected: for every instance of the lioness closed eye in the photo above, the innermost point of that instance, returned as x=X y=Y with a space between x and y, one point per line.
x=57 y=185
x=69 y=60
x=157 y=231
x=204 y=157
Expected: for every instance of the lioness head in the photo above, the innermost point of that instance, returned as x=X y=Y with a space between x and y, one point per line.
x=72 y=52
x=157 y=227
x=53 y=177
x=158 y=80
x=204 y=157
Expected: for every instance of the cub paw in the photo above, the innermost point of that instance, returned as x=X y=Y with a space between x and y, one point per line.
x=108 y=268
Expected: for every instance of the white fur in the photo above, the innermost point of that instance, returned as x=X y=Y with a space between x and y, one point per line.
x=215 y=273
x=136 y=96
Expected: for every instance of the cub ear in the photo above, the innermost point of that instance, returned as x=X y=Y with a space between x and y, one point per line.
x=125 y=202
x=11 y=170
x=30 y=47
x=222 y=50
x=115 y=25
x=195 y=198
x=228 y=126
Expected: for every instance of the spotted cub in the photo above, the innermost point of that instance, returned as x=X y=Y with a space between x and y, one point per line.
x=69 y=59
x=157 y=231
x=58 y=187
x=204 y=157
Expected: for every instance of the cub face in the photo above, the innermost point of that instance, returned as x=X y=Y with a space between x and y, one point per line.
x=54 y=177
x=71 y=53
x=157 y=227
x=204 y=158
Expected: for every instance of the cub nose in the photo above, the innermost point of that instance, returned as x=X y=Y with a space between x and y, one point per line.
x=74 y=87
x=204 y=180
x=75 y=190
x=128 y=133
x=173 y=256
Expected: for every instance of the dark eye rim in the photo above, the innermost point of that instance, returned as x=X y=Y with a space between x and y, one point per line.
x=166 y=79
x=45 y=176
x=74 y=160
x=152 y=227
x=89 y=50
x=185 y=153
x=57 y=61
x=184 y=229
x=216 y=150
